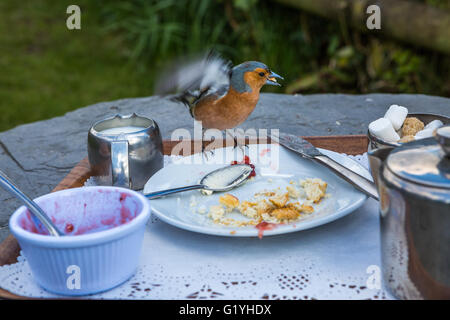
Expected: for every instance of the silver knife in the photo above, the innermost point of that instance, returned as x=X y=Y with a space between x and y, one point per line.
x=308 y=151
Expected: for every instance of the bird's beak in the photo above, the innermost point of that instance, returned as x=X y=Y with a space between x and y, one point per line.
x=272 y=79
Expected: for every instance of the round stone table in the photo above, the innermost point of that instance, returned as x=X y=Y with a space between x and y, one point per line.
x=38 y=155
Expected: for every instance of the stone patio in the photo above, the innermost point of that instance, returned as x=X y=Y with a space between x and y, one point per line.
x=38 y=155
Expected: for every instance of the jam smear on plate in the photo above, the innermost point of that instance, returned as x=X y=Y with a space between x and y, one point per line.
x=246 y=160
x=262 y=226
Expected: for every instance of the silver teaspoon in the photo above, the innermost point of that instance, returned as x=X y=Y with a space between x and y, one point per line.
x=219 y=180
x=38 y=215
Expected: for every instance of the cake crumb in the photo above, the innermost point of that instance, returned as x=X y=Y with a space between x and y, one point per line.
x=315 y=188
x=216 y=212
x=286 y=213
x=271 y=206
x=293 y=192
x=280 y=200
x=229 y=201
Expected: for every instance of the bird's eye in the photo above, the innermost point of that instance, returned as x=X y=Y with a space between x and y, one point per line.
x=262 y=74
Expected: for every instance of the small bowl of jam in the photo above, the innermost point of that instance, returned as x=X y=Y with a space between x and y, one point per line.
x=104 y=230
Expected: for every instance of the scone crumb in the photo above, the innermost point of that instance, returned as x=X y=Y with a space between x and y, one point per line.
x=280 y=200
x=263 y=207
x=286 y=213
x=247 y=208
x=301 y=208
x=307 y=209
x=270 y=206
x=216 y=212
x=229 y=201
x=293 y=192
x=315 y=188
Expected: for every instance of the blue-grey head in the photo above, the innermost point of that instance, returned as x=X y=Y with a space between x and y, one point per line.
x=252 y=75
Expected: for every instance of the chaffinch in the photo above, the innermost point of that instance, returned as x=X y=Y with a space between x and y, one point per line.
x=217 y=94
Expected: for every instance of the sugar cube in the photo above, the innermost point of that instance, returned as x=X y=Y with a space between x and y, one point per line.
x=383 y=129
x=425 y=133
x=396 y=115
x=434 y=124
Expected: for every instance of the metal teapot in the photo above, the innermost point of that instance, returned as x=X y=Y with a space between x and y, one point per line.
x=414 y=187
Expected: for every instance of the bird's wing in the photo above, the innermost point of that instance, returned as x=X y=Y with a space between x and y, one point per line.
x=198 y=77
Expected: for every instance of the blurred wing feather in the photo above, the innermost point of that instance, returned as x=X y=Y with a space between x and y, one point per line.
x=196 y=78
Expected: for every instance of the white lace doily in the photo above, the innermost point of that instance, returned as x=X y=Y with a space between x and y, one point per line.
x=327 y=262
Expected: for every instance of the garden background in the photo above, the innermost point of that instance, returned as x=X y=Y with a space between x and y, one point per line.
x=47 y=70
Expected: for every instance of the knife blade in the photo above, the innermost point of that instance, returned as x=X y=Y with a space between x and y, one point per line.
x=307 y=150
x=299 y=145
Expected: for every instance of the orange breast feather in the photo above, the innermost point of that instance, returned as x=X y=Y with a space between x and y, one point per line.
x=227 y=112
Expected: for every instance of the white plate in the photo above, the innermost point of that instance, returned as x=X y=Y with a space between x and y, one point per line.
x=275 y=166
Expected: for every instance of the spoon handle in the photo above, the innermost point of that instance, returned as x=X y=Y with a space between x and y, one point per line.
x=36 y=211
x=162 y=193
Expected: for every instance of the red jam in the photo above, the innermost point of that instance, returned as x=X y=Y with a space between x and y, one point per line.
x=246 y=160
x=263 y=226
x=69 y=228
x=83 y=220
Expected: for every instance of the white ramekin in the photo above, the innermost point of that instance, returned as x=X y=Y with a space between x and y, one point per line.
x=86 y=263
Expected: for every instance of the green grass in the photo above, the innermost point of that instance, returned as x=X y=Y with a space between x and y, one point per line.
x=47 y=70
